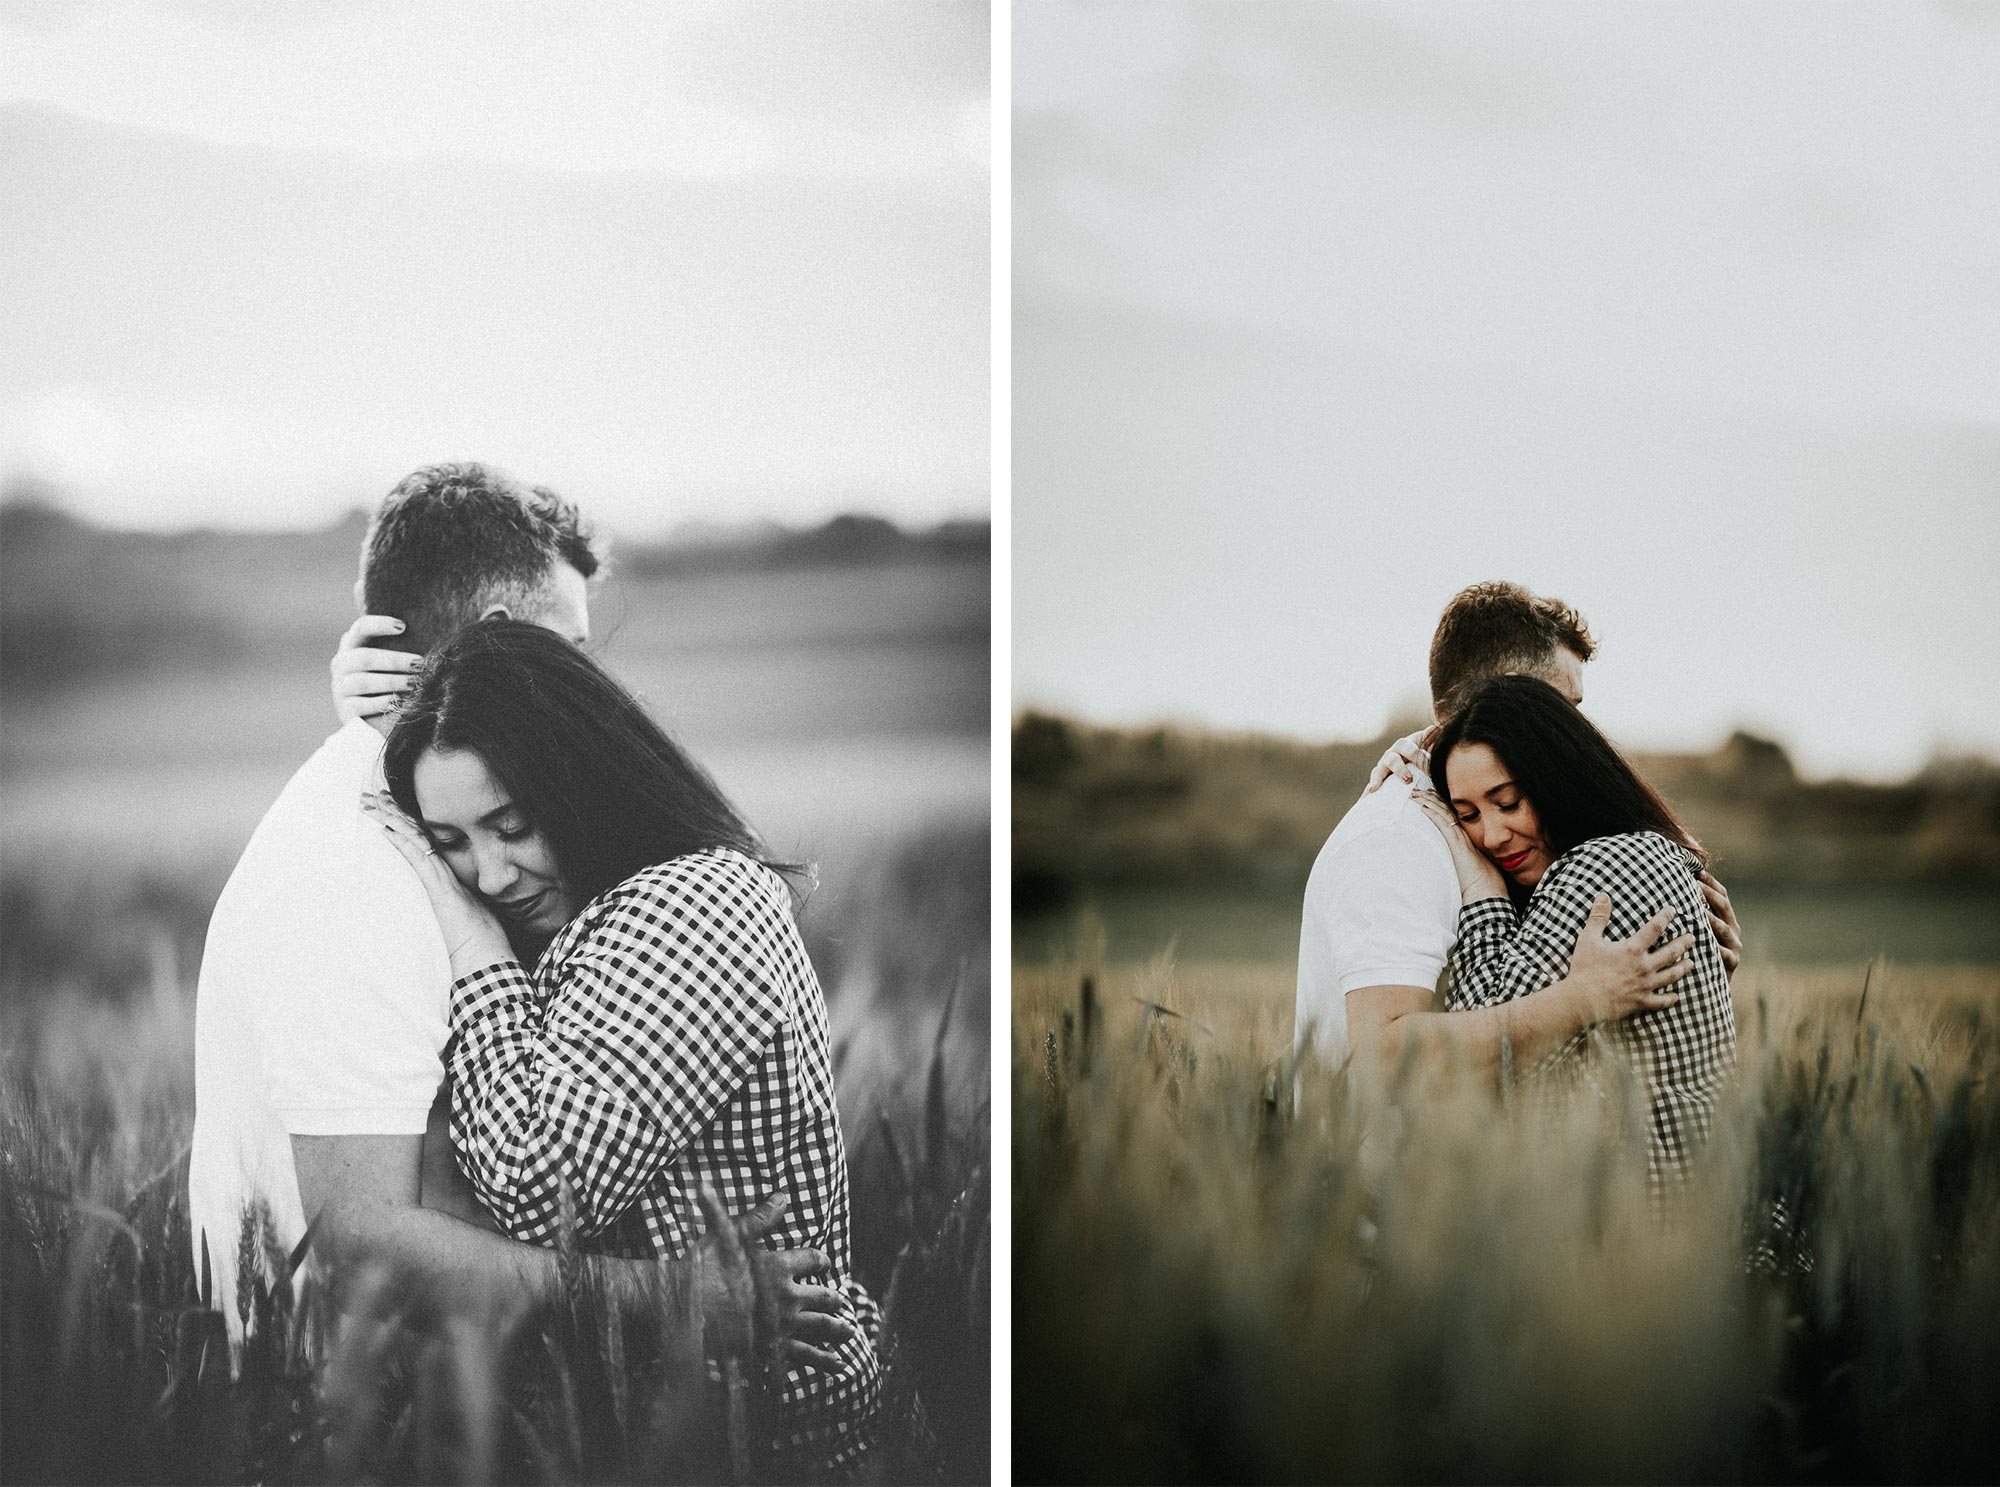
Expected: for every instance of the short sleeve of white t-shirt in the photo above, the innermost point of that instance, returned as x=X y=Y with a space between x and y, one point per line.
x=325 y=972
x=353 y=1044
x=353 y=1030
x=321 y=1005
x=1380 y=909
x=1372 y=905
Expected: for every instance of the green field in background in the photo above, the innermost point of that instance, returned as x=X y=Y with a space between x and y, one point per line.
x=1943 y=926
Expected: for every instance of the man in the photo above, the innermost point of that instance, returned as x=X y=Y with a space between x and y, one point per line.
x=1381 y=904
x=320 y=1015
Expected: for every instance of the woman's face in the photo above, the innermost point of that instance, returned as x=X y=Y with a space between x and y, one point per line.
x=1500 y=820
x=489 y=843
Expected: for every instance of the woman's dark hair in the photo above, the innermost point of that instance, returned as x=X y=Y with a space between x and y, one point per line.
x=573 y=749
x=1580 y=785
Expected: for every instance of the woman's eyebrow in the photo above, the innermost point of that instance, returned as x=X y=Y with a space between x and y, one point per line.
x=488 y=819
x=1503 y=785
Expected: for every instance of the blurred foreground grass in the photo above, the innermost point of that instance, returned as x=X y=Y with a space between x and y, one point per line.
x=1215 y=1281
x=111 y=1370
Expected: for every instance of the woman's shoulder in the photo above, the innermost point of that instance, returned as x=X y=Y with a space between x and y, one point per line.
x=1632 y=854
x=683 y=900
x=721 y=877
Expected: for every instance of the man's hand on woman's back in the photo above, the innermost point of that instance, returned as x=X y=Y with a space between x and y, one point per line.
x=1617 y=978
x=1722 y=919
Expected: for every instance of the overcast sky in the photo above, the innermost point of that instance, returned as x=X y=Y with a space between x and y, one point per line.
x=685 y=262
x=1688 y=314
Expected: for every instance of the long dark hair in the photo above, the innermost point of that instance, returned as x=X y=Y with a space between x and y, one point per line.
x=1579 y=784
x=574 y=750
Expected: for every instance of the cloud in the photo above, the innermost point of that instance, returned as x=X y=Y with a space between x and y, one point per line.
x=1186 y=74
x=1258 y=530
x=261 y=325
x=688 y=90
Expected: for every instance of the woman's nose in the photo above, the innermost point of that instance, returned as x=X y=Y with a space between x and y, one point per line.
x=496 y=872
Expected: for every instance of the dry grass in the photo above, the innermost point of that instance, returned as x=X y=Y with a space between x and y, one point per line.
x=1215 y=1281
x=111 y=1369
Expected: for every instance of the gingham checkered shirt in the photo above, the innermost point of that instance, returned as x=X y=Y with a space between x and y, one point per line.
x=1685 y=1052
x=672 y=1034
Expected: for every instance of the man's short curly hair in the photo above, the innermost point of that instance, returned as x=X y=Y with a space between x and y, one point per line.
x=452 y=540
x=1494 y=629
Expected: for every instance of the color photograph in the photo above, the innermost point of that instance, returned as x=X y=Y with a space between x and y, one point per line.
x=1506 y=745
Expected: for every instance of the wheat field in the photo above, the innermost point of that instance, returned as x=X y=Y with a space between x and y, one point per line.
x=1216 y=1280
x=112 y=1368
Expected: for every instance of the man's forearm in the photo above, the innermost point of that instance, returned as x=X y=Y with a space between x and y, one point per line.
x=448 y=1266
x=1532 y=1027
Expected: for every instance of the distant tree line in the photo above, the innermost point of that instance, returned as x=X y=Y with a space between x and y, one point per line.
x=1176 y=807
x=80 y=602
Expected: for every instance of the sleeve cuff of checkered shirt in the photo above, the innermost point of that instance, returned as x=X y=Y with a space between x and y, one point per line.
x=1486 y=914
x=486 y=988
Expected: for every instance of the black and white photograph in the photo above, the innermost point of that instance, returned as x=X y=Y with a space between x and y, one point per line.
x=496 y=666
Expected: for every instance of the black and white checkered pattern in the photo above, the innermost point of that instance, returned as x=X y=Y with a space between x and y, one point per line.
x=1685 y=1052
x=673 y=1034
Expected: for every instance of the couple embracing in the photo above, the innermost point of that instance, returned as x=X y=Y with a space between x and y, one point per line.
x=1505 y=892
x=503 y=962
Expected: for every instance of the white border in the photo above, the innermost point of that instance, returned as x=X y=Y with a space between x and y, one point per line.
x=1000 y=84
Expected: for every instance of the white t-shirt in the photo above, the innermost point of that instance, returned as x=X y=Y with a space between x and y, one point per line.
x=1381 y=910
x=321 y=1007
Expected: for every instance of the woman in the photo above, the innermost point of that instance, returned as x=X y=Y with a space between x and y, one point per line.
x=1542 y=815
x=672 y=1034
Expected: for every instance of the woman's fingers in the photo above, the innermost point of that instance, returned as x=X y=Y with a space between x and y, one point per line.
x=391 y=827
x=402 y=831
x=376 y=663
x=370 y=658
x=375 y=684
x=369 y=627
x=385 y=807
